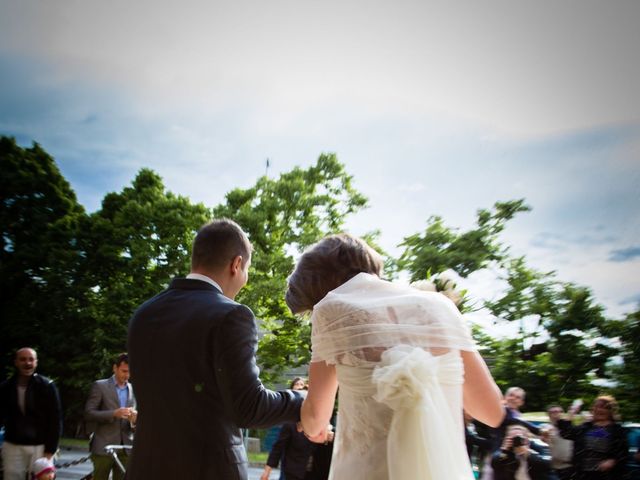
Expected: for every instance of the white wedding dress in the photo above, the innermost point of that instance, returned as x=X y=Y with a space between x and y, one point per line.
x=397 y=355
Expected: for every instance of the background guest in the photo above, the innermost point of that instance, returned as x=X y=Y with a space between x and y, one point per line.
x=43 y=469
x=600 y=445
x=111 y=413
x=514 y=399
x=516 y=460
x=560 y=448
x=31 y=414
x=292 y=450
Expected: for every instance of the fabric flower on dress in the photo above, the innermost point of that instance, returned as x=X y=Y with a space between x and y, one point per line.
x=404 y=374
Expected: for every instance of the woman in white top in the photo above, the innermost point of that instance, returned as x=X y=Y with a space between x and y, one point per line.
x=405 y=362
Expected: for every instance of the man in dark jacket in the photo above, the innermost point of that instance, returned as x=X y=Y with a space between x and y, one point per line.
x=192 y=356
x=31 y=414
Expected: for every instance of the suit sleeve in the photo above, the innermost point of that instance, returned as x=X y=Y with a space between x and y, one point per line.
x=54 y=430
x=246 y=400
x=568 y=430
x=528 y=425
x=92 y=411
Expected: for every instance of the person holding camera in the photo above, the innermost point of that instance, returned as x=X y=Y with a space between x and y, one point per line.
x=516 y=460
x=514 y=399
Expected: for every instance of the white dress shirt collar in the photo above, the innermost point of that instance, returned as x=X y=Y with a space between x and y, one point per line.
x=204 y=278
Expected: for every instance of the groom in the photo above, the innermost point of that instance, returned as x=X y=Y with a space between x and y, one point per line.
x=192 y=356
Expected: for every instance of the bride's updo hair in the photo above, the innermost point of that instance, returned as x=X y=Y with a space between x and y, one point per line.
x=326 y=265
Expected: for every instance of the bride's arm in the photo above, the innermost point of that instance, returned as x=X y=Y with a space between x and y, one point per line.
x=481 y=396
x=318 y=406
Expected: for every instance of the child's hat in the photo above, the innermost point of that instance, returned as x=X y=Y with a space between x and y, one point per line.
x=42 y=466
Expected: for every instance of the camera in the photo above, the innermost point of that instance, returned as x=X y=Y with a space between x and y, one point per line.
x=518 y=441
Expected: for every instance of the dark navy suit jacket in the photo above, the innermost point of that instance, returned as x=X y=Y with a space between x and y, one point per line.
x=192 y=358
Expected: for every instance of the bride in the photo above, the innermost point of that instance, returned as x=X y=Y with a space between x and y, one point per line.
x=405 y=362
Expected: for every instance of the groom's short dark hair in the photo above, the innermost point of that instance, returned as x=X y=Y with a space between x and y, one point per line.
x=217 y=243
x=326 y=265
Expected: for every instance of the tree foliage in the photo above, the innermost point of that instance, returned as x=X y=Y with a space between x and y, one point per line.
x=627 y=372
x=71 y=281
x=563 y=345
x=132 y=246
x=39 y=260
x=283 y=216
x=440 y=248
x=562 y=350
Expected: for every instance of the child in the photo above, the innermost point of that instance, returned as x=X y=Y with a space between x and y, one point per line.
x=43 y=469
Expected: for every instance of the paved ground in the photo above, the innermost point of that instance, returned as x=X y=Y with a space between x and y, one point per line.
x=81 y=470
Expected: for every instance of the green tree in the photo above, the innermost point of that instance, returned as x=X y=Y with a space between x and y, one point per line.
x=40 y=266
x=128 y=251
x=627 y=373
x=133 y=246
x=39 y=215
x=529 y=299
x=562 y=347
x=440 y=248
x=282 y=216
x=565 y=353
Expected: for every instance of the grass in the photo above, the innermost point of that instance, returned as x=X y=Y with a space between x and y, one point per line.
x=260 y=458
x=74 y=442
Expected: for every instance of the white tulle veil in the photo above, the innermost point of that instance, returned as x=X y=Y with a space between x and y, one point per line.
x=367 y=315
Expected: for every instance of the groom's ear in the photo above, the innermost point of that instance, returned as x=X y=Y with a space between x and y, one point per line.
x=236 y=265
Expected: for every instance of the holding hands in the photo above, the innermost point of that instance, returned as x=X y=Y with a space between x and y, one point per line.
x=325 y=436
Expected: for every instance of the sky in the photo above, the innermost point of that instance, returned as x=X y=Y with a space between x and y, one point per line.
x=434 y=108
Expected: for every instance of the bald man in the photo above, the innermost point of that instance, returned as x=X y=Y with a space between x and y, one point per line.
x=31 y=414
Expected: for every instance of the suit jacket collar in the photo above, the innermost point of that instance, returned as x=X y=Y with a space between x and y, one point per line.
x=192 y=284
x=204 y=278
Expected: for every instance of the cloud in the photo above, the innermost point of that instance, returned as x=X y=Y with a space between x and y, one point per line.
x=598 y=138
x=518 y=73
x=560 y=242
x=434 y=109
x=414 y=187
x=631 y=300
x=625 y=254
